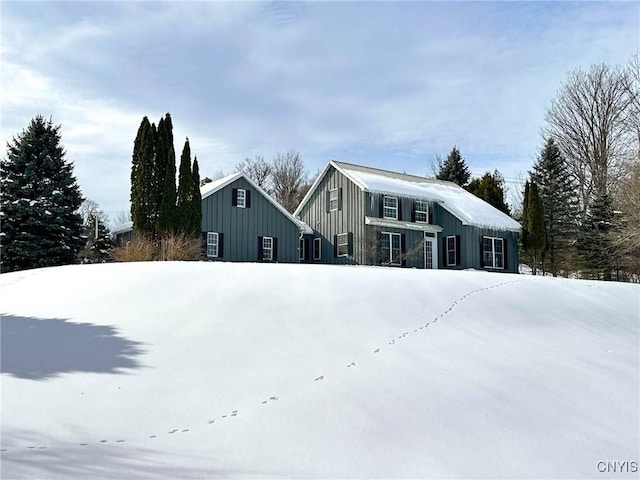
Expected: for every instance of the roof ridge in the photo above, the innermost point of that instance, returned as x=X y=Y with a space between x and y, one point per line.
x=392 y=174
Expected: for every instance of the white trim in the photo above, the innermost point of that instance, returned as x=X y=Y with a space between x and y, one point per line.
x=385 y=207
x=455 y=253
x=339 y=244
x=433 y=242
x=244 y=198
x=385 y=222
x=269 y=249
x=493 y=252
x=214 y=245
x=391 y=259
x=317 y=241
x=331 y=200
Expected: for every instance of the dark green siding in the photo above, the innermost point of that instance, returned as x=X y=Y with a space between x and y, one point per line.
x=241 y=227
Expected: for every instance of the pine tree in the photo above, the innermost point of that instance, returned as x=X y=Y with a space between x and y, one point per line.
x=143 y=192
x=490 y=188
x=98 y=244
x=195 y=223
x=534 y=235
x=39 y=200
x=185 y=190
x=454 y=169
x=560 y=203
x=595 y=242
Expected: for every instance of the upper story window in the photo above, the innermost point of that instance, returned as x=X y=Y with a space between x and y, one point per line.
x=333 y=200
x=493 y=252
x=390 y=207
x=212 y=244
x=241 y=198
x=421 y=211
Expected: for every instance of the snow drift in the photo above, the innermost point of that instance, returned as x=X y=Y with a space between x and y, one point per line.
x=218 y=370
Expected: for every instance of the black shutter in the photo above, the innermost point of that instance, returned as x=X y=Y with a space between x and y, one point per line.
x=340 y=198
x=504 y=253
x=247 y=198
x=403 y=248
x=445 y=255
x=458 y=250
x=275 y=249
x=381 y=206
x=234 y=197
x=413 y=212
x=481 y=252
x=328 y=201
x=335 y=246
x=350 y=240
x=430 y=214
x=399 y=203
x=220 y=245
x=259 y=248
x=204 y=243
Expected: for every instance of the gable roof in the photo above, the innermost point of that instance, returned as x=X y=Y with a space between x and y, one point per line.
x=465 y=206
x=210 y=188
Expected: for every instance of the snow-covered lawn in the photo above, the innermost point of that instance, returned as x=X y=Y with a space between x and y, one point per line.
x=219 y=370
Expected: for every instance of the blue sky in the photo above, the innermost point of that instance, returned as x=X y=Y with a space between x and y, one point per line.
x=385 y=84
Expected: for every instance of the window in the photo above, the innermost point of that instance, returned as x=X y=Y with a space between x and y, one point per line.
x=241 y=198
x=343 y=245
x=451 y=251
x=421 y=211
x=493 y=252
x=212 y=244
x=390 y=207
x=303 y=249
x=267 y=248
x=390 y=248
x=333 y=200
x=317 y=245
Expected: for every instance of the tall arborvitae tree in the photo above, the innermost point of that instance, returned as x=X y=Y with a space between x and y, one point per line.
x=168 y=218
x=561 y=208
x=534 y=241
x=524 y=235
x=164 y=156
x=490 y=188
x=454 y=169
x=185 y=190
x=595 y=242
x=195 y=217
x=143 y=192
x=39 y=201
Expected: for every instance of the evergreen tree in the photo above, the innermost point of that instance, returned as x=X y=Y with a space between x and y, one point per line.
x=98 y=244
x=164 y=156
x=560 y=204
x=195 y=223
x=490 y=188
x=39 y=200
x=595 y=242
x=185 y=190
x=143 y=192
x=534 y=235
x=454 y=169
x=167 y=217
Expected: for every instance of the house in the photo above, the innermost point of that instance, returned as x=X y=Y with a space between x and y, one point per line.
x=369 y=216
x=242 y=223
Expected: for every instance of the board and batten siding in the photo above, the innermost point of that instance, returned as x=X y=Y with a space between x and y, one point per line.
x=349 y=218
x=241 y=227
x=470 y=240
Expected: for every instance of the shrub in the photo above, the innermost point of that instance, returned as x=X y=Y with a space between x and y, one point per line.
x=140 y=249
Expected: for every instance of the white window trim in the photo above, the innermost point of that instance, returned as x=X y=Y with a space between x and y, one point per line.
x=385 y=207
x=242 y=204
x=393 y=261
x=344 y=243
x=493 y=252
x=302 y=247
x=318 y=242
x=425 y=212
x=267 y=249
x=332 y=200
x=211 y=243
x=455 y=254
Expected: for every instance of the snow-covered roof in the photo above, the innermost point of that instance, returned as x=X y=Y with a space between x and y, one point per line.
x=122 y=228
x=212 y=187
x=465 y=206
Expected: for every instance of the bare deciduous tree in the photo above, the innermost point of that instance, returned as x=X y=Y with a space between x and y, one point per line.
x=587 y=120
x=258 y=170
x=288 y=178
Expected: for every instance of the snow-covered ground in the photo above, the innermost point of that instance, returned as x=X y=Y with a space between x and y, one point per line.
x=219 y=370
